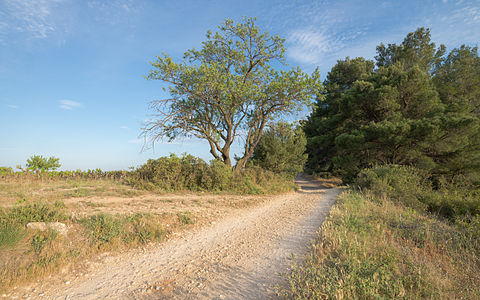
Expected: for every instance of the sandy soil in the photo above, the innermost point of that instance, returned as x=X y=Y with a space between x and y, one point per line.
x=240 y=256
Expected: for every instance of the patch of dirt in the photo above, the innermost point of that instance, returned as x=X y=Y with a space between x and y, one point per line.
x=239 y=256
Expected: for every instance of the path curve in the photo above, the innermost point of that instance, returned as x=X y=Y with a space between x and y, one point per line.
x=239 y=257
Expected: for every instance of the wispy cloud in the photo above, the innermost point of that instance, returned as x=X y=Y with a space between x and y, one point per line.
x=310 y=46
x=69 y=104
x=115 y=11
x=123 y=127
x=13 y=106
x=34 y=17
x=461 y=24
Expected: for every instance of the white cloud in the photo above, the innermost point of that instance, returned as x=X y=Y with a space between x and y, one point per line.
x=34 y=17
x=69 y=104
x=123 y=127
x=310 y=46
x=460 y=26
x=13 y=106
x=115 y=11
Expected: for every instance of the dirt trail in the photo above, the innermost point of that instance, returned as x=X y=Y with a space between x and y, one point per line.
x=239 y=257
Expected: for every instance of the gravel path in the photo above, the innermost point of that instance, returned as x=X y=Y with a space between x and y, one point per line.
x=239 y=257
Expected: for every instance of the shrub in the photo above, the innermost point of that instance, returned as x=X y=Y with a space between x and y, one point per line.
x=185 y=218
x=5 y=171
x=142 y=228
x=190 y=173
x=412 y=187
x=399 y=183
x=102 y=229
x=34 y=212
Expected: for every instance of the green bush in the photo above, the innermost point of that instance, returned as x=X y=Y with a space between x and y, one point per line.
x=103 y=229
x=185 y=218
x=191 y=173
x=34 y=212
x=369 y=250
x=399 y=183
x=413 y=188
x=13 y=220
x=142 y=228
x=110 y=231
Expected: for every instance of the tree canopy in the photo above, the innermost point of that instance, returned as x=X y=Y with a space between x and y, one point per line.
x=228 y=89
x=281 y=149
x=417 y=107
x=40 y=163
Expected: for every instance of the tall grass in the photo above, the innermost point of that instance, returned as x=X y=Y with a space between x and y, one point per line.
x=397 y=235
x=371 y=249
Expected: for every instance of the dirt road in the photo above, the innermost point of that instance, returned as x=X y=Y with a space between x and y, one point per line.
x=238 y=257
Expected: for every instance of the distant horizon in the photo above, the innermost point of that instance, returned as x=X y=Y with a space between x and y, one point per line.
x=72 y=72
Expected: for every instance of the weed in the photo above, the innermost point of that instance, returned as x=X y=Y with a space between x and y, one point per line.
x=33 y=212
x=39 y=240
x=10 y=235
x=185 y=218
x=102 y=229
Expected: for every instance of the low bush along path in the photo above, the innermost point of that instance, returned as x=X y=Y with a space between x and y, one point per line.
x=240 y=256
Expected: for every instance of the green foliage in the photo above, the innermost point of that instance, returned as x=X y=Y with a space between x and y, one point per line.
x=39 y=240
x=142 y=228
x=228 y=87
x=411 y=187
x=40 y=163
x=33 y=212
x=418 y=108
x=103 y=229
x=5 y=171
x=185 y=218
x=281 y=150
x=175 y=173
x=401 y=184
x=107 y=231
x=14 y=219
x=10 y=234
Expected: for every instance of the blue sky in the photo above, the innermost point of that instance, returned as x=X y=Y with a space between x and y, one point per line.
x=71 y=71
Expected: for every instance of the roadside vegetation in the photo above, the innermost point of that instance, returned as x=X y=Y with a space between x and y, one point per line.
x=404 y=132
x=113 y=211
x=394 y=237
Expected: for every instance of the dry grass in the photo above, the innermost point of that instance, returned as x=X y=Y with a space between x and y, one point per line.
x=102 y=215
x=14 y=190
x=376 y=249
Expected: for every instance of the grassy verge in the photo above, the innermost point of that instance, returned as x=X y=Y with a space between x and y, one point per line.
x=374 y=248
x=26 y=253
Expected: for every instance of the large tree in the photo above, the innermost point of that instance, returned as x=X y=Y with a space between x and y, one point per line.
x=228 y=89
x=418 y=107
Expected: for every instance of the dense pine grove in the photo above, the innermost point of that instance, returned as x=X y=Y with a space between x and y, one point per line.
x=414 y=105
